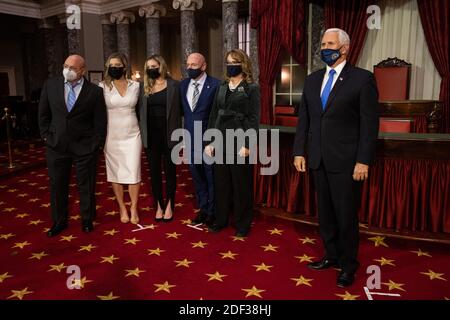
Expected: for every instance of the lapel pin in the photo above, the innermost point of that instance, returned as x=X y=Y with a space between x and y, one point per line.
x=340 y=79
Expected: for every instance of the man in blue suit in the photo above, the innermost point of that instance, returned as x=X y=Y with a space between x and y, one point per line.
x=197 y=97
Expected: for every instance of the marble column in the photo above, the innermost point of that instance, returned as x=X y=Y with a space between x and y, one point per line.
x=188 y=31
x=152 y=13
x=46 y=33
x=230 y=25
x=109 y=37
x=318 y=27
x=123 y=20
x=254 y=48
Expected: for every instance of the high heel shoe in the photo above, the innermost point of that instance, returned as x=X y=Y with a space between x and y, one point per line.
x=134 y=219
x=124 y=218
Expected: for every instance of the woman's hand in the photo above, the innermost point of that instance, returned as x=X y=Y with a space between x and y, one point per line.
x=209 y=150
x=244 y=152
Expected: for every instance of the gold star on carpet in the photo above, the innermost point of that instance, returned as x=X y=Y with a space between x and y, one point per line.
x=302 y=280
x=38 y=256
x=74 y=218
x=12 y=190
x=110 y=232
x=383 y=261
x=9 y=209
x=111 y=213
x=98 y=207
x=67 y=238
x=33 y=200
x=22 y=215
x=35 y=222
x=379 y=241
x=87 y=248
x=276 y=231
x=392 y=285
x=253 y=291
x=238 y=238
x=262 y=267
x=199 y=244
x=98 y=193
x=215 y=276
x=183 y=263
x=4 y=276
x=6 y=236
x=19 y=293
x=270 y=247
x=134 y=272
x=109 y=259
x=110 y=296
x=421 y=253
x=229 y=255
x=32 y=184
x=307 y=240
x=146 y=209
x=188 y=195
x=22 y=195
x=434 y=275
x=21 y=245
x=156 y=251
x=182 y=184
x=131 y=241
x=45 y=230
x=143 y=195
x=23 y=180
x=79 y=282
x=56 y=267
x=173 y=235
x=163 y=287
x=187 y=221
x=347 y=296
x=179 y=205
x=111 y=198
x=45 y=205
x=304 y=258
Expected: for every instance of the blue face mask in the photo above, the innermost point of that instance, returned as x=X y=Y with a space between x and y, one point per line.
x=194 y=73
x=330 y=56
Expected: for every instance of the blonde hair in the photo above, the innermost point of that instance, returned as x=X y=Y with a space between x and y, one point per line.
x=117 y=55
x=150 y=83
x=242 y=57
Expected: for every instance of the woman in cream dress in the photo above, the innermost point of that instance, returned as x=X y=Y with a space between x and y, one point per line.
x=123 y=141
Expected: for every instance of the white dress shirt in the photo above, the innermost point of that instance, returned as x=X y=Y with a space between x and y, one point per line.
x=338 y=70
x=191 y=87
x=77 y=89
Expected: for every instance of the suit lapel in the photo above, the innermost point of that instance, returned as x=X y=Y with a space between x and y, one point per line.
x=222 y=94
x=61 y=94
x=205 y=89
x=343 y=76
x=317 y=86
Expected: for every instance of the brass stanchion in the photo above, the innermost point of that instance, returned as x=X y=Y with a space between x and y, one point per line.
x=7 y=117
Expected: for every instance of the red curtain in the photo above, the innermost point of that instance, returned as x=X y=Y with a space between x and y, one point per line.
x=350 y=16
x=434 y=15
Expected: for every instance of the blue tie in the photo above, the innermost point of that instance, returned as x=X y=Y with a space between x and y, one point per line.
x=72 y=98
x=326 y=91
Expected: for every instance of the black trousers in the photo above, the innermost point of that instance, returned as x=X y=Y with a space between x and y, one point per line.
x=338 y=198
x=59 y=171
x=234 y=185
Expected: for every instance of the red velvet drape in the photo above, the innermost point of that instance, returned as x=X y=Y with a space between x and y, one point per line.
x=434 y=15
x=350 y=16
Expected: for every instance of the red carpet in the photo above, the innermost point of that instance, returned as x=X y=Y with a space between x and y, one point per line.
x=174 y=261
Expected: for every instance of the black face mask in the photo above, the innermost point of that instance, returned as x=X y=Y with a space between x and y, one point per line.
x=116 y=72
x=194 y=73
x=153 y=73
x=234 y=70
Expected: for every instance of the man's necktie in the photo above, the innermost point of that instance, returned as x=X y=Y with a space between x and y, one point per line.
x=72 y=98
x=196 y=94
x=326 y=91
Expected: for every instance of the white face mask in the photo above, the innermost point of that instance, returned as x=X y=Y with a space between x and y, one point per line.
x=69 y=75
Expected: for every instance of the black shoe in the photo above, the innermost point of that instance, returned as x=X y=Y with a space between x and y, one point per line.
x=200 y=218
x=322 y=264
x=209 y=221
x=214 y=228
x=242 y=233
x=167 y=219
x=56 y=229
x=345 y=279
x=87 y=226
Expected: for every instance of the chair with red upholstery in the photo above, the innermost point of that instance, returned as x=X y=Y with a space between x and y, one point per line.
x=392 y=76
x=398 y=125
x=285 y=116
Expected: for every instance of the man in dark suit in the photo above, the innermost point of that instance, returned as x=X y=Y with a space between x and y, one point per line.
x=338 y=122
x=72 y=121
x=197 y=97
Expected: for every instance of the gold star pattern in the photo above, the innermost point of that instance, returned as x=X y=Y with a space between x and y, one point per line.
x=21 y=245
x=302 y=281
x=183 y=263
x=306 y=240
x=5 y=276
x=38 y=256
x=22 y=215
x=35 y=222
x=434 y=275
x=87 y=248
x=110 y=296
x=383 y=261
x=270 y=247
x=199 y=244
x=179 y=205
x=392 y=285
x=45 y=205
x=216 y=276
x=421 y=253
x=228 y=255
x=110 y=232
x=67 y=238
x=109 y=259
x=187 y=221
x=22 y=195
x=347 y=296
x=253 y=291
x=56 y=267
x=173 y=235
x=156 y=251
x=304 y=258
x=134 y=272
x=276 y=231
x=80 y=282
x=378 y=241
x=6 y=236
x=9 y=209
x=146 y=209
x=19 y=294
x=132 y=241
x=262 y=267
x=164 y=286
x=33 y=200
x=238 y=238
x=74 y=218
x=112 y=213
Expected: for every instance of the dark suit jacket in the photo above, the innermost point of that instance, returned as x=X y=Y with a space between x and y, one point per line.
x=80 y=131
x=346 y=132
x=203 y=108
x=173 y=110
